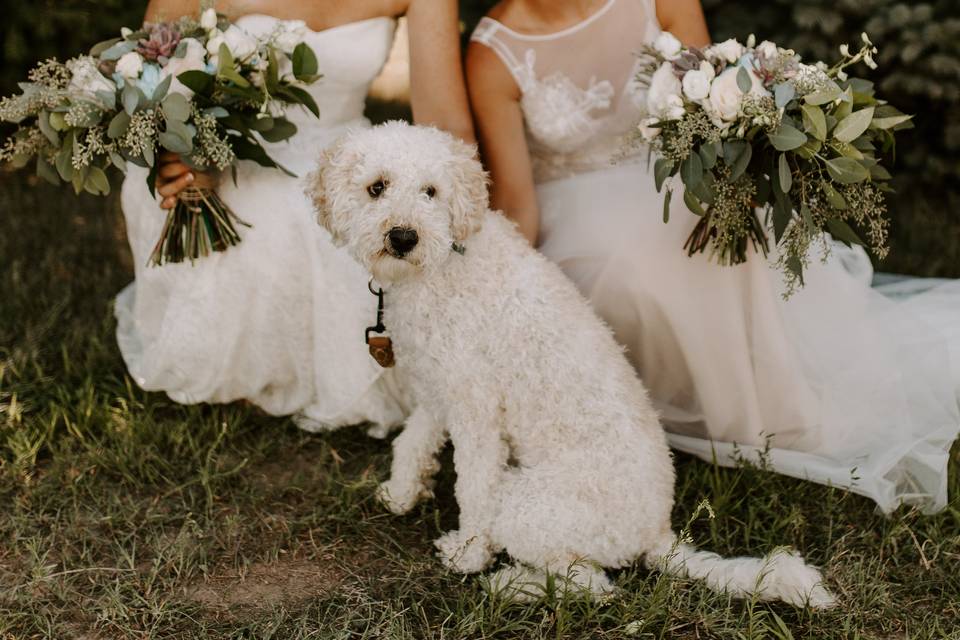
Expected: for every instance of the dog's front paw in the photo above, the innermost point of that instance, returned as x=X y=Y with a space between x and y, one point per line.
x=400 y=498
x=464 y=552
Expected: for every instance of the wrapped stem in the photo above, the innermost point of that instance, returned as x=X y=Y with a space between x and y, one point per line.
x=732 y=251
x=198 y=224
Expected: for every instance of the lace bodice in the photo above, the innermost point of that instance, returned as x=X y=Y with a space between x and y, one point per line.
x=579 y=98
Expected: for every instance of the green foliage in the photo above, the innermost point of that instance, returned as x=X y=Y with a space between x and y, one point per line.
x=919 y=71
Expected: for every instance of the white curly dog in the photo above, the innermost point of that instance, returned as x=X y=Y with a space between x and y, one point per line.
x=561 y=460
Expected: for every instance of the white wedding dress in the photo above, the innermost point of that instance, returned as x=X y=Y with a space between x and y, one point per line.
x=842 y=384
x=277 y=320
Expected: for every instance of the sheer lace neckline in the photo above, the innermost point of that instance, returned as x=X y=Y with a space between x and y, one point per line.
x=596 y=15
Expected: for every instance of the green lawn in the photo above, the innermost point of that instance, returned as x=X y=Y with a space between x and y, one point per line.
x=124 y=515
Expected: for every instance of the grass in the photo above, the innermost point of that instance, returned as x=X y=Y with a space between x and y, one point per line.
x=125 y=515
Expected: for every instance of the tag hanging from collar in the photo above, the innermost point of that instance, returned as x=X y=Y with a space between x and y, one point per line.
x=381 y=347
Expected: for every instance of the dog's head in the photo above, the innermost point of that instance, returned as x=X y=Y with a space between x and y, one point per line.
x=399 y=197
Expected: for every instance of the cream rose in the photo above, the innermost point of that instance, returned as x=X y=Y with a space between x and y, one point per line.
x=696 y=83
x=728 y=50
x=289 y=34
x=130 y=65
x=85 y=78
x=194 y=59
x=241 y=44
x=663 y=97
x=667 y=45
x=725 y=96
x=208 y=20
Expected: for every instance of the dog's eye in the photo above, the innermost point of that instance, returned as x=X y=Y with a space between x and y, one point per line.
x=377 y=188
x=431 y=191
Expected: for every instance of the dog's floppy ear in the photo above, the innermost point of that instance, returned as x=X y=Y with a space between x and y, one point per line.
x=316 y=189
x=471 y=198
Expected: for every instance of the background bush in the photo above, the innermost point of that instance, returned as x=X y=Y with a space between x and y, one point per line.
x=919 y=72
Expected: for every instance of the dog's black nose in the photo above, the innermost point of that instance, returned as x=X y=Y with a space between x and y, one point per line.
x=403 y=240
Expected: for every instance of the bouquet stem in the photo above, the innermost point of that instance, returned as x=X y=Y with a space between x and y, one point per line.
x=199 y=223
x=733 y=251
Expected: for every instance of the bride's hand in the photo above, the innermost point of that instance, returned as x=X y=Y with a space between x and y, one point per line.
x=173 y=177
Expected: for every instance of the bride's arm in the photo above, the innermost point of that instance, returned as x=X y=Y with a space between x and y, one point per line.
x=437 y=92
x=495 y=98
x=684 y=19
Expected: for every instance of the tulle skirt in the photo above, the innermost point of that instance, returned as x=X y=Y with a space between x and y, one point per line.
x=843 y=383
x=277 y=320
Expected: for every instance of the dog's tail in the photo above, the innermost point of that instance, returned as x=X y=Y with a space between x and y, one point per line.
x=780 y=575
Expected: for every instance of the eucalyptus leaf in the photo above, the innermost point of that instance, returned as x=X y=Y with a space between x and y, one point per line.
x=814 y=121
x=787 y=138
x=847 y=150
x=304 y=98
x=744 y=83
x=130 y=98
x=161 y=89
x=118 y=161
x=666 y=205
x=108 y=99
x=199 y=82
x=786 y=177
x=691 y=171
x=43 y=122
x=853 y=126
x=57 y=121
x=708 y=154
x=96 y=182
x=172 y=142
x=878 y=172
x=807 y=216
x=282 y=129
x=118 y=125
x=692 y=203
x=841 y=231
x=304 y=62
x=783 y=93
x=46 y=171
x=823 y=96
x=795 y=266
x=736 y=155
x=847 y=170
x=118 y=50
x=216 y=112
x=97 y=49
x=148 y=156
x=834 y=199
x=176 y=107
x=889 y=122
x=662 y=169
x=782 y=213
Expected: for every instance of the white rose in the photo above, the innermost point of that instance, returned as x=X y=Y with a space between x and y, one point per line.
x=725 y=96
x=125 y=32
x=696 y=83
x=289 y=34
x=86 y=79
x=768 y=50
x=130 y=65
x=208 y=20
x=667 y=45
x=194 y=59
x=728 y=50
x=648 y=129
x=241 y=44
x=663 y=96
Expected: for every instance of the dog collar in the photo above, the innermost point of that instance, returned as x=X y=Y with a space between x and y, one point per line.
x=381 y=347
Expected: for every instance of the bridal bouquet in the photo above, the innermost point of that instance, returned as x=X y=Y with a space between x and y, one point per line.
x=206 y=90
x=754 y=129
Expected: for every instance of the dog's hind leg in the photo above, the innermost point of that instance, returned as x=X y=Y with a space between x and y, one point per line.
x=520 y=583
x=414 y=462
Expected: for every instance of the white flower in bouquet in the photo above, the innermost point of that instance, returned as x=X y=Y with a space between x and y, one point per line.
x=768 y=50
x=663 y=98
x=130 y=65
x=208 y=19
x=696 y=83
x=667 y=45
x=648 y=129
x=726 y=98
x=86 y=79
x=728 y=51
x=194 y=59
x=241 y=44
x=289 y=34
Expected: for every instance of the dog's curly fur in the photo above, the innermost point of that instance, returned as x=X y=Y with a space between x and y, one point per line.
x=561 y=460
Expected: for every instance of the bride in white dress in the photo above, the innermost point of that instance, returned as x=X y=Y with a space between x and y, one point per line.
x=278 y=320
x=844 y=384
